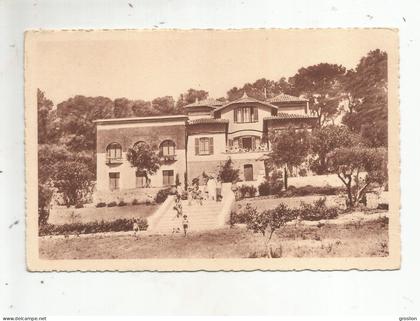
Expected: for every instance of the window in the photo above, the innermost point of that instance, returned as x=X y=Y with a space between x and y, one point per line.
x=204 y=146
x=167 y=148
x=141 y=180
x=114 y=181
x=114 y=151
x=245 y=115
x=168 y=177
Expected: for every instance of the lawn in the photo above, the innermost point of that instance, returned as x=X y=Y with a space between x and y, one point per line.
x=63 y=215
x=350 y=240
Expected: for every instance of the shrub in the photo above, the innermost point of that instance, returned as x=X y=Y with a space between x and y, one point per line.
x=311 y=190
x=135 y=202
x=264 y=189
x=112 y=204
x=303 y=172
x=101 y=204
x=247 y=191
x=78 y=205
x=317 y=211
x=227 y=173
x=383 y=206
x=122 y=203
x=163 y=194
x=118 y=225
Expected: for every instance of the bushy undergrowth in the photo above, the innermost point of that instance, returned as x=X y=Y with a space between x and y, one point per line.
x=118 y=225
x=247 y=191
x=163 y=194
x=310 y=190
x=315 y=211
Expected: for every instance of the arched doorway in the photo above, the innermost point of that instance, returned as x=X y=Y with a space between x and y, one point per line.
x=248 y=172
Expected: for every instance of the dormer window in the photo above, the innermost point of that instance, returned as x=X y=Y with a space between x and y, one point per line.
x=245 y=115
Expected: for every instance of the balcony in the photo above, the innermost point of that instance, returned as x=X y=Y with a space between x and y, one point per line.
x=238 y=150
x=114 y=160
x=168 y=158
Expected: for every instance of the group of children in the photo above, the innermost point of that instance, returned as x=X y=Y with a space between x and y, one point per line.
x=212 y=191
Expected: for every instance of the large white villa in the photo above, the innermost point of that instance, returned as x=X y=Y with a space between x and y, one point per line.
x=209 y=134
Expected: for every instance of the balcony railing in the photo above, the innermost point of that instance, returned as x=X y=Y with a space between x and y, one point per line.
x=257 y=149
x=168 y=158
x=114 y=160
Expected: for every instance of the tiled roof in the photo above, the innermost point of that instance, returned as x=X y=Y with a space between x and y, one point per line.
x=289 y=116
x=244 y=100
x=206 y=102
x=208 y=121
x=285 y=98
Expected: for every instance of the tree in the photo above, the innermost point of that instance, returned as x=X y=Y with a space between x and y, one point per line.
x=227 y=173
x=78 y=132
x=268 y=221
x=45 y=194
x=74 y=181
x=144 y=158
x=189 y=97
x=358 y=168
x=164 y=105
x=324 y=140
x=44 y=108
x=123 y=108
x=143 y=108
x=320 y=84
x=289 y=148
x=365 y=90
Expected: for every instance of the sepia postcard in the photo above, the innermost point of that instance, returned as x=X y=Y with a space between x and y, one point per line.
x=215 y=150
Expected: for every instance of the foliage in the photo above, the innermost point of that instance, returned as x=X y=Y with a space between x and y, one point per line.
x=358 y=168
x=135 y=202
x=227 y=173
x=311 y=190
x=317 y=211
x=79 y=205
x=264 y=189
x=260 y=89
x=268 y=221
x=163 y=194
x=189 y=97
x=101 y=204
x=289 y=148
x=122 y=203
x=44 y=108
x=73 y=181
x=44 y=199
x=365 y=91
x=144 y=158
x=112 y=204
x=271 y=186
x=118 y=225
x=247 y=191
x=320 y=84
x=324 y=140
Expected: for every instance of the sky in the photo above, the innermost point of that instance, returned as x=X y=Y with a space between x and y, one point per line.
x=150 y=64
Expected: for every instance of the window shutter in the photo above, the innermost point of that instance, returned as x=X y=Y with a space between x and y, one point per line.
x=197 y=146
x=230 y=142
x=240 y=142
x=235 y=115
x=255 y=114
x=253 y=142
x=211 y=149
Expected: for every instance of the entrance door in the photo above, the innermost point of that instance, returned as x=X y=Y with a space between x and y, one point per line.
x=248 y=172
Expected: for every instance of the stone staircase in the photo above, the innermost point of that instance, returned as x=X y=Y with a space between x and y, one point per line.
x=210 y=215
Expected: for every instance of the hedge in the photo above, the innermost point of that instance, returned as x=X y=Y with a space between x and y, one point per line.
x=119 y=225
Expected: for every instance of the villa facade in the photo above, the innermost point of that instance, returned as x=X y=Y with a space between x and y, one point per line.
x=210 y=133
